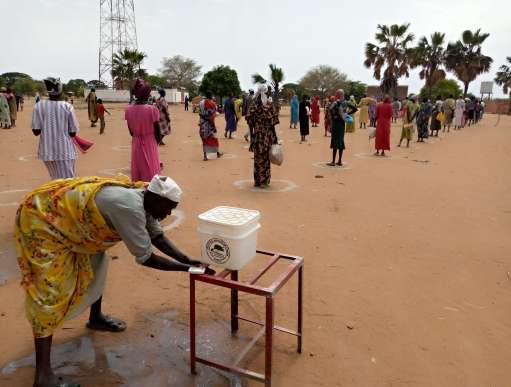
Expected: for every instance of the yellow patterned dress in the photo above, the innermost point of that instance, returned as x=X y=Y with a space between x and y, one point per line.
x=58 y=230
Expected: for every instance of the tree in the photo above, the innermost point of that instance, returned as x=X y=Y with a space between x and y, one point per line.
x=8 y=79
x=24 y=86
x=443 y=88
x=276 y=76
x=430 y=56
x=323 y=80
x=288 y=89
x=465 y=59
x=220 y=81
x=126 y=66
x=179 y=71
x=156 y=80
x=503 y=78
x=356 y=89
x=97 y=84
x=391 y=51
x=76 y=86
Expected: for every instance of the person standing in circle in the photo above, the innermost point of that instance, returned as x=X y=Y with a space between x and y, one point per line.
x=304 y=112
x=144 y=126
x=92 y=107
x=384 y=114
x=295 y=105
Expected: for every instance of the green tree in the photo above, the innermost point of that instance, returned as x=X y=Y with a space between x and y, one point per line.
x=323 y=80
x=392 y=52
x=8 y=79
x=76 y=86
x=430 y=55
x=443 y=88
x=220 y=81
x=97 y=84
x=503 y=78
x=288 y=89
x=276 y=77
x=465 y=59
x=356 y=89
x=179 y=71
x=156 y=80
x=24 y=86
x=126 y=66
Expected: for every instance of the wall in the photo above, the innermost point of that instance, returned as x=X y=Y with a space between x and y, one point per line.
x=173 y=96
x=497 y=106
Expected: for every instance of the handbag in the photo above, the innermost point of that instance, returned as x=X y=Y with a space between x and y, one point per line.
x=440 y=116
x=276 y=154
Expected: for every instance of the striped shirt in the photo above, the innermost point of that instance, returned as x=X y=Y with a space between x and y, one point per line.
x=55 y=119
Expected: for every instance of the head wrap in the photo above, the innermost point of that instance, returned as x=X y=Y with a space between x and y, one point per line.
x=53 y=85
x=3 y=89
x=165 y=187
x=338 y=94
x=261 y=91
x=142 y=89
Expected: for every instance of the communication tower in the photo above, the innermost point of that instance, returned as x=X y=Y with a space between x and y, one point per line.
x=117 y=31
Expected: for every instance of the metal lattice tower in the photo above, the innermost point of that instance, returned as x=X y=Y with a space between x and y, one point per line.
x=117 y=31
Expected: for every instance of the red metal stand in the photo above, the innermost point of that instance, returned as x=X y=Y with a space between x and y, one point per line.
x=296 y=265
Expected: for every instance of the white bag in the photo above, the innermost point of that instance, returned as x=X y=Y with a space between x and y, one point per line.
x=371 y=132
x=276 y=154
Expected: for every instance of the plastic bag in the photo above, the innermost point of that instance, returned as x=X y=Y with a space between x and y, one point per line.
x=371 y=132
x=276 y=154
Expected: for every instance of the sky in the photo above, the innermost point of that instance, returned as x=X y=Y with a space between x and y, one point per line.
x=61 y=37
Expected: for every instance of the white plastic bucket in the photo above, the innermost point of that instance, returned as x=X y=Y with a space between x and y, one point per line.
x=228 y=236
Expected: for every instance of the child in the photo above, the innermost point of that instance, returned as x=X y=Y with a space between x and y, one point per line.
x=101 y=115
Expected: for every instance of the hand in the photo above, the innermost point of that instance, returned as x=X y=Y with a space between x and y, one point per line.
x=210 y=271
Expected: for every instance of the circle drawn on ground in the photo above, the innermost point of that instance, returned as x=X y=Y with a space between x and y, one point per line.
x=11 y=191
x=324 y=164
x=179 y=217
x=27 y=157
x=308 y=142
x=276 y=185
x=373 y=156
x=227 y=156
x=122 y=148
x=115 y=171
x=195 y=142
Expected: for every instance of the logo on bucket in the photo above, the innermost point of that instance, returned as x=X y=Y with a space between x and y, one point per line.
x=217 y=250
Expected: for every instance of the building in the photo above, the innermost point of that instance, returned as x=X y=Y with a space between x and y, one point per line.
x=375 y=91
x=172 y=96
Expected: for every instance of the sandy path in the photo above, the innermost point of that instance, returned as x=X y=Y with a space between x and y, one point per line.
x=411 y=252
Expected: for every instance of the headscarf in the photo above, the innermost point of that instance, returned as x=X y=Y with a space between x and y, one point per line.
x=53 y=85
x=165 y=187
x=261 y=91
x=338 y=94
x=141 y=90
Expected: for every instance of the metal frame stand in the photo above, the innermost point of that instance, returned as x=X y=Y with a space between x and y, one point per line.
x=296 y=265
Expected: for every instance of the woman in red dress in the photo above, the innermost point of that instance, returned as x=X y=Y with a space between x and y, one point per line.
x=315 y=111
x=384 y=113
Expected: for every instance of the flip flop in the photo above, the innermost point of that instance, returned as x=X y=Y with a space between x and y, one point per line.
x=110 y=324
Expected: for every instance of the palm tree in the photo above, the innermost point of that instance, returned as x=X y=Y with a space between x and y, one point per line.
x=126 y=66
x=430 y=56
x=276 y=76
x=464 y=57
x=391 y=51
x=503 y=78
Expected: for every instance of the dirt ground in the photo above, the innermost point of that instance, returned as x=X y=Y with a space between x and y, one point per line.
x=407 y=262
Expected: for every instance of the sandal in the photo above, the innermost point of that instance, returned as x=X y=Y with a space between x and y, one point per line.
x=109 y=324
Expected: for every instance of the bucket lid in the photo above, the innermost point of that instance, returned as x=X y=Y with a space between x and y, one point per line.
x=229 y=216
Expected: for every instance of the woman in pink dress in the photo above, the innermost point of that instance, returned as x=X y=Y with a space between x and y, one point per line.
x=143 y=123
x=384 y=113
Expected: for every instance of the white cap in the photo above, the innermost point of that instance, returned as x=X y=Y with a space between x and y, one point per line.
x=165 y=187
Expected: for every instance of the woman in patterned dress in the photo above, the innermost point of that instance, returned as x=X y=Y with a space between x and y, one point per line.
x=263 y=117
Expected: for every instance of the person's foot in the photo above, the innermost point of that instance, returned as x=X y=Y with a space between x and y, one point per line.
x=339 y=164
x=107 y=323
x=219 y=154
x=225 y=134
x=376 y=153
x=55 y=381
x=399 y=145
x=205 y=158
x=332 y=164
x=246 y=137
